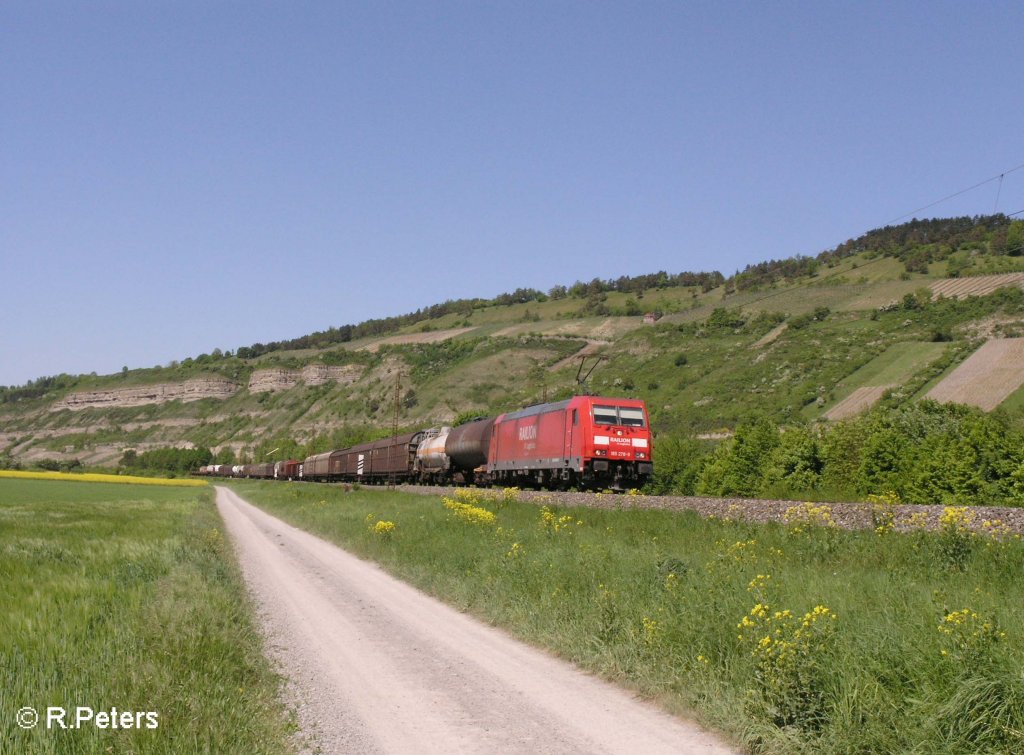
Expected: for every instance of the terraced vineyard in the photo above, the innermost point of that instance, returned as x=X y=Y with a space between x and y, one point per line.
x=987 y=377
x=982 y=285
x=890 y=369
x=859 y=401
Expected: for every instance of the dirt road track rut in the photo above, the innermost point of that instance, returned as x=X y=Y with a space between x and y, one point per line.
x=378 y=667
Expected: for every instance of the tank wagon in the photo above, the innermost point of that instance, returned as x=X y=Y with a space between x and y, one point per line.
x=432 y=464
x=455 y=455
x=468 y=447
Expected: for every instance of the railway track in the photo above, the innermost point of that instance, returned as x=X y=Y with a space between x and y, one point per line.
x=846 y=515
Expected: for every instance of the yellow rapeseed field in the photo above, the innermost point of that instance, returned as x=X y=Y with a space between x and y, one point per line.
x=122 y=479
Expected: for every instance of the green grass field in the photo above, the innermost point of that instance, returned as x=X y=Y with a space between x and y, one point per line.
x=1014 y=402
x=731 y=620
x=127 y=597
x=895 y=366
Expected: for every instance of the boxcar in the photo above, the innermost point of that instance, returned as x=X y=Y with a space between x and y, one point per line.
x=384 y=460
x=286 y=470
x=322 y=467
x=263 y=471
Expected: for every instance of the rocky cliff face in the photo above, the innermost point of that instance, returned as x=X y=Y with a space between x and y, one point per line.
x=189 y=390
x=263 y=381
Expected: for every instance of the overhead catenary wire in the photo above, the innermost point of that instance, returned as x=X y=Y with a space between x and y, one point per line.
x=998 y=177
x=779 y=292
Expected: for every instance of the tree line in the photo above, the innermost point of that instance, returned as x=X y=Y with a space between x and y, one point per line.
x=925 y=453
x=172 y=460
x=465 y=308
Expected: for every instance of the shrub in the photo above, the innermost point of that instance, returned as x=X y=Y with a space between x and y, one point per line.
x=956 y=540
x=464 y=508
x=737 y=465
x=678 y=465
x=794 y=465
x=791 y=664
x=383 y=529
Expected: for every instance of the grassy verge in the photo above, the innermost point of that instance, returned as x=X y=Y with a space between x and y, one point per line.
x=789 y=638
x=127 y=597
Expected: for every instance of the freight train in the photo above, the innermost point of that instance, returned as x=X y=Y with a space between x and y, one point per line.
x=587 y=442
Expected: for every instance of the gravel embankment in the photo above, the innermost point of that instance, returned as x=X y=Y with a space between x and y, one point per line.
x=847 y=515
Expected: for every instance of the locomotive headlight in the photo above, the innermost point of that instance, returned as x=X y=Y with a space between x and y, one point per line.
x=641 y=455
x=600 y=452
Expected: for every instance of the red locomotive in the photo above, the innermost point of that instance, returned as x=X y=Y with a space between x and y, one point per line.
x=586 y=441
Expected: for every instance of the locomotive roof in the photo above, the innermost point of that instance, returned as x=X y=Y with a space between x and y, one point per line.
x=530 y=411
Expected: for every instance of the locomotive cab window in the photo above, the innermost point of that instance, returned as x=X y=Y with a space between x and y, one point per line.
x=627 y=416
x=631 y=416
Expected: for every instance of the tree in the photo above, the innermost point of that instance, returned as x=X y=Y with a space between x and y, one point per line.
x=840 y=450
x=679 y=461
x=794 y=466
x=737 y=465
x=226 y=455
x=1015 y=238
x=725 y=319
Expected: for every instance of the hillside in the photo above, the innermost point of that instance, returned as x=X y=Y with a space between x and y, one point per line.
x=797 y=341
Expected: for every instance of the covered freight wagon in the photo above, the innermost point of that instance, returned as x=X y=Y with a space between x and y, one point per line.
x=322 y=467
x=260 y=471
x=286 y=470
x=378 y=461
x=381 y=460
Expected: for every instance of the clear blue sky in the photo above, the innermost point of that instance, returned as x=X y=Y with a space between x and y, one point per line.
x=179 y=176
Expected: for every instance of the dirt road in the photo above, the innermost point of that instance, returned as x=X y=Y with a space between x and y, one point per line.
x=378 y=667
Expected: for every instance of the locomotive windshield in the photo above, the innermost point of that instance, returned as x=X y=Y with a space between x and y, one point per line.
x=628 y=416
